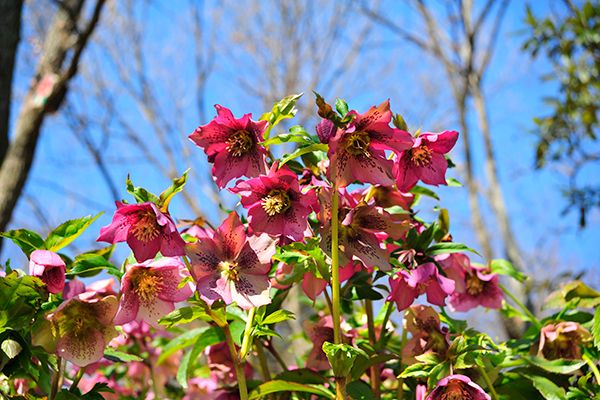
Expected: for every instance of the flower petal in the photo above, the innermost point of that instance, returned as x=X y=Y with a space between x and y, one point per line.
x=82 y=350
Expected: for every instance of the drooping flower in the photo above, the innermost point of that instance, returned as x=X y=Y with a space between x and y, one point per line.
x=387 y=196
x=221 y=364
x=457 y=387
x=319 y=333
x=425 y=160
x=475 y=285
x=276 y=205
x=233 y=145
x=562 y=340
x=357 y=153
x=79 y=329
x=151 y=289
x=423 y=323
x=407 y=286
x=146 y=229
x=231 y=266
x=50 y=268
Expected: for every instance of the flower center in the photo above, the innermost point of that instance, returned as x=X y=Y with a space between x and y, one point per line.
x=146 y=227
x=357 y=144
x=276 y=202
x=474 y=285
x=240 y=143
x=456 y=391
x=229 y=269
x=146 y=284
x=421 y=156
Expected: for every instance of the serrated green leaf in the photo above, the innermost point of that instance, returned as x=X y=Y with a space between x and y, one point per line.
x=504 y=267
x=342 y=107
x=276 y=386
x=27 y=240
x=278 y=316
x=283 y=109
x=547 y=388
x=184 y=315
x=68 y=231
x=116 y=355
x=20 y=299
x=208 y=337
x=399 y=122
x=140 y=194
x=559 y=366
x=303 y=150
x=177 y=186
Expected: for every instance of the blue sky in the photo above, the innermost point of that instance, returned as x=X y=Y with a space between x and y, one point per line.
x=513 y=87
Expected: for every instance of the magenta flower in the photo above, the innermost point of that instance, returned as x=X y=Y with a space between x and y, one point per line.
x=407 y=286
x=150 y=290
x=562 y=340
x=475 y=285
x=457 y=387
x=425 y=160
x=231 y=266
x=276 y=205
x=146 y=229
x=79 y=329
x=357 y=153
x=313 y=286
x=233 y=145
x=50 y=268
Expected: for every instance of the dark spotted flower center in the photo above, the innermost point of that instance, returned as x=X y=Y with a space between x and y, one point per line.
x=357 y=144
x=146 y=227
x=229 y=269
x=146 y=284
x=456 y=391
x=276 y=202
x=240 y=143
x=474 y=285
x=421 y=156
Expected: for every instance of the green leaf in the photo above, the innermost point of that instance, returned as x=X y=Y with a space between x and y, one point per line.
x=27 y=240
x=359 y=390
x=504 y=267
x=596 y=328
x=304 y=150
x=66 y=395
x=140 y=194
x=283 y=109
x=302 y=375
x=276 y=386
x=576 y=290
x=91 y=264
x=424 y=192
x=448 y=247
x=361 y=364
x=547 y=388
x=176 y=187
x=559 y=366
x=206 y=338
x=399 y=122
x=341 y=357
x=278 y=316
x=115 y=355
x=20 y=299
x=184 y=315
x=342 y=107
x=68 y=231
x=182 y=371
x=11 y=348
x=202 y=337
x=453 y=182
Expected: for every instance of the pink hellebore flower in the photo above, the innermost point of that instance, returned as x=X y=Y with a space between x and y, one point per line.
x=420 y=392
x=357 y=153
x=457 y=387
x=406 y=287
x=425 y=160
x=423 y=323
x=50 y=268
x=276 y=205
x=313 y=286
x=232 y=266
x=233 y=145
x=146 y=229
x=562 y=340
x=79 y=329
x=319 y=333
x=475 y=285
x=221 y=365
x=150 y=289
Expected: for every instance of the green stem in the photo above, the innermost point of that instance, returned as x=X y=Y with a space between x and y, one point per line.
x=262 y=359
x=488 y=382
x=187 y=263
x=386 y=318
x=238 y=364
x=76 y=380
x=525 y=310
x=335 y=268
x=56 y=379
x=593 y=367
x=246 y=341
x=400 y=390
x=374 y=370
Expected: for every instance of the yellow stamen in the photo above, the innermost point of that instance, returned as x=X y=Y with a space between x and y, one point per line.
x=276 y=202
x=229 y=269
x=146 y=227
x=421 y=156
x=146 y=284
x=240 y=143
x=357 y=144
x=474 y=285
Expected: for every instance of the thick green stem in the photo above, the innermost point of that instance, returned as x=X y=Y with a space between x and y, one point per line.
x=488 y=382
x=335 y=268
x=238 y=364
x=525 y=310
x=246 y=341
x=386 y=318
x=375 y=375
x=76 y=380
x=593 y=367
x=56 y=379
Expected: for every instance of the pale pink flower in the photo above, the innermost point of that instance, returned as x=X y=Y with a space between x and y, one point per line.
x=146 y=229
x=50 y=268
x=457 y=387
x=562 y=340
x=425 y=160
x=423 y=323
x=150 y=290
x=231 y=266
x=233 y=145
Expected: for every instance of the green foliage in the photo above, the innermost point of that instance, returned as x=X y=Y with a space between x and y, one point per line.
x=283 y=109
x=277 y=386
x=68 y=231
x=27 y=240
